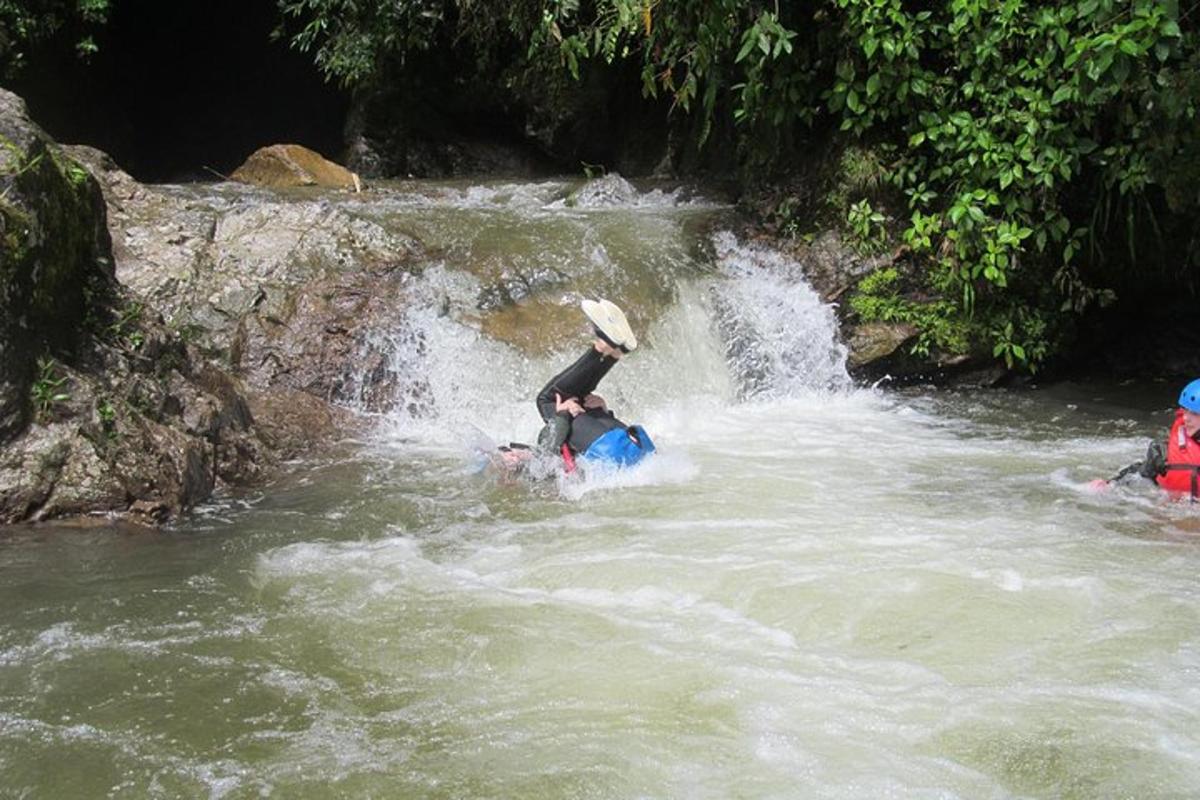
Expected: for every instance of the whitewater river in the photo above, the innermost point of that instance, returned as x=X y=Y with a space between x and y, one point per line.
x=814 y=590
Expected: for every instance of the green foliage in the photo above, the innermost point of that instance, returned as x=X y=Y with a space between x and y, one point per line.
x=125 y=330
x=878 y=299
x=76 y=174
x=107 y=414
x=868 y=226
x=46 y=390
x=860 y=175
x=1024 y=138
x=15 y=164
x=785 y=218
x=704 y=56
x=991 y=114
x=1021 y=341
x=1001 y=106
x=24 y=23
x=355 y=42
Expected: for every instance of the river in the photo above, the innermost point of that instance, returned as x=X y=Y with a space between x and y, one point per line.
x=813 y=590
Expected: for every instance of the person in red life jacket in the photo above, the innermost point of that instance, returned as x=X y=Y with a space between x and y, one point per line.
x=1176 y=467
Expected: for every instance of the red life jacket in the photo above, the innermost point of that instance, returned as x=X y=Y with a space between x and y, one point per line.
x=1183 y=460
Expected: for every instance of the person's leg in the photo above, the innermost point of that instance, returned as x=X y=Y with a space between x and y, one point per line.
x=577 y=381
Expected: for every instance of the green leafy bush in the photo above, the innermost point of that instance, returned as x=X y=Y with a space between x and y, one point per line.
x=26 y=22
x=1031 y=151
x=878 y=299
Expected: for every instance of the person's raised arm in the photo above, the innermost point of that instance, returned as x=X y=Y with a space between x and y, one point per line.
x=576 y=381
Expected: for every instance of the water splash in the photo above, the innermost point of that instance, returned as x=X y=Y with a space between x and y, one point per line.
x=756 y=331
x=781 y=339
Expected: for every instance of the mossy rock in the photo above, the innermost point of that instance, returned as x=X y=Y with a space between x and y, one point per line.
x=55 y=259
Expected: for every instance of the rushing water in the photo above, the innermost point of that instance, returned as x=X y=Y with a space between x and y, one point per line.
x=813 y=590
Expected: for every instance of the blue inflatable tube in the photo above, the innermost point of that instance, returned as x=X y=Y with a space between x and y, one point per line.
x=621 y=448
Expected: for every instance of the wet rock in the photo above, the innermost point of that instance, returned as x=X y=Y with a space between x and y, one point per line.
x=283 y=166
x=605 y=191
x=294 y=421
x=876 y=341
x=140 y=428
x=104 y=409
x=831 y=266
x=289 y=293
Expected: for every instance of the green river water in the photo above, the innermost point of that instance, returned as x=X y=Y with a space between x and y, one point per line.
x=814 y=590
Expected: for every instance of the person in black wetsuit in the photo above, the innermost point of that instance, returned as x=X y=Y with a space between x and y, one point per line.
x=574 y=414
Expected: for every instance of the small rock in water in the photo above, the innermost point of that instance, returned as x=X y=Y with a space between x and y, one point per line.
x=610 y=190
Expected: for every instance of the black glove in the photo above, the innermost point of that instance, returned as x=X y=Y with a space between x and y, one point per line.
x=1155 y=463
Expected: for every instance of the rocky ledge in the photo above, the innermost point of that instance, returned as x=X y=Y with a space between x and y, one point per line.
x=154 y=349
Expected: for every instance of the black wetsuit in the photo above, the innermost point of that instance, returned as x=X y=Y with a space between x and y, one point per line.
x=577 y=381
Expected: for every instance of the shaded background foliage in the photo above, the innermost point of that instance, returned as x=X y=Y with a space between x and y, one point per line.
x=174 y=88
x=1032 y=162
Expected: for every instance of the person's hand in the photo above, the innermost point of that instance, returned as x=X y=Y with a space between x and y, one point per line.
x=570 y=405
x=594 y=401
x=1098 y=486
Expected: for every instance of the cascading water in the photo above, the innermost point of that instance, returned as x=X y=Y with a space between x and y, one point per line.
x=811 y=591
x=780 y=338
x=745 y=326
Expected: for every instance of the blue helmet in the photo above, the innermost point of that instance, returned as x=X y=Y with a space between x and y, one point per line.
x=1189 y=398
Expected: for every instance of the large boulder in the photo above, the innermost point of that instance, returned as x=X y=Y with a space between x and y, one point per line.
x=291 y=293
x=132 y=423
x=283 y=166
x=54 y=256
x=103 y=408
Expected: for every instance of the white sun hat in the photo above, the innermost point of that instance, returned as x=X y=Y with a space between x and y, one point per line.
x=610 y=323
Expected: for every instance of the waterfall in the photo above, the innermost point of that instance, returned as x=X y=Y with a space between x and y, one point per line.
x=719 y=321
x=780 y=338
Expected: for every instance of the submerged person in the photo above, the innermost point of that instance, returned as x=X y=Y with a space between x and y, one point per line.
x=578 y=422
x=1176 y=467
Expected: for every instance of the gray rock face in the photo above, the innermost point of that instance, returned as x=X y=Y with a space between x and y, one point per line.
x=831 y=266
x=134 y=425
x=104 y=409
x=287 y=290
